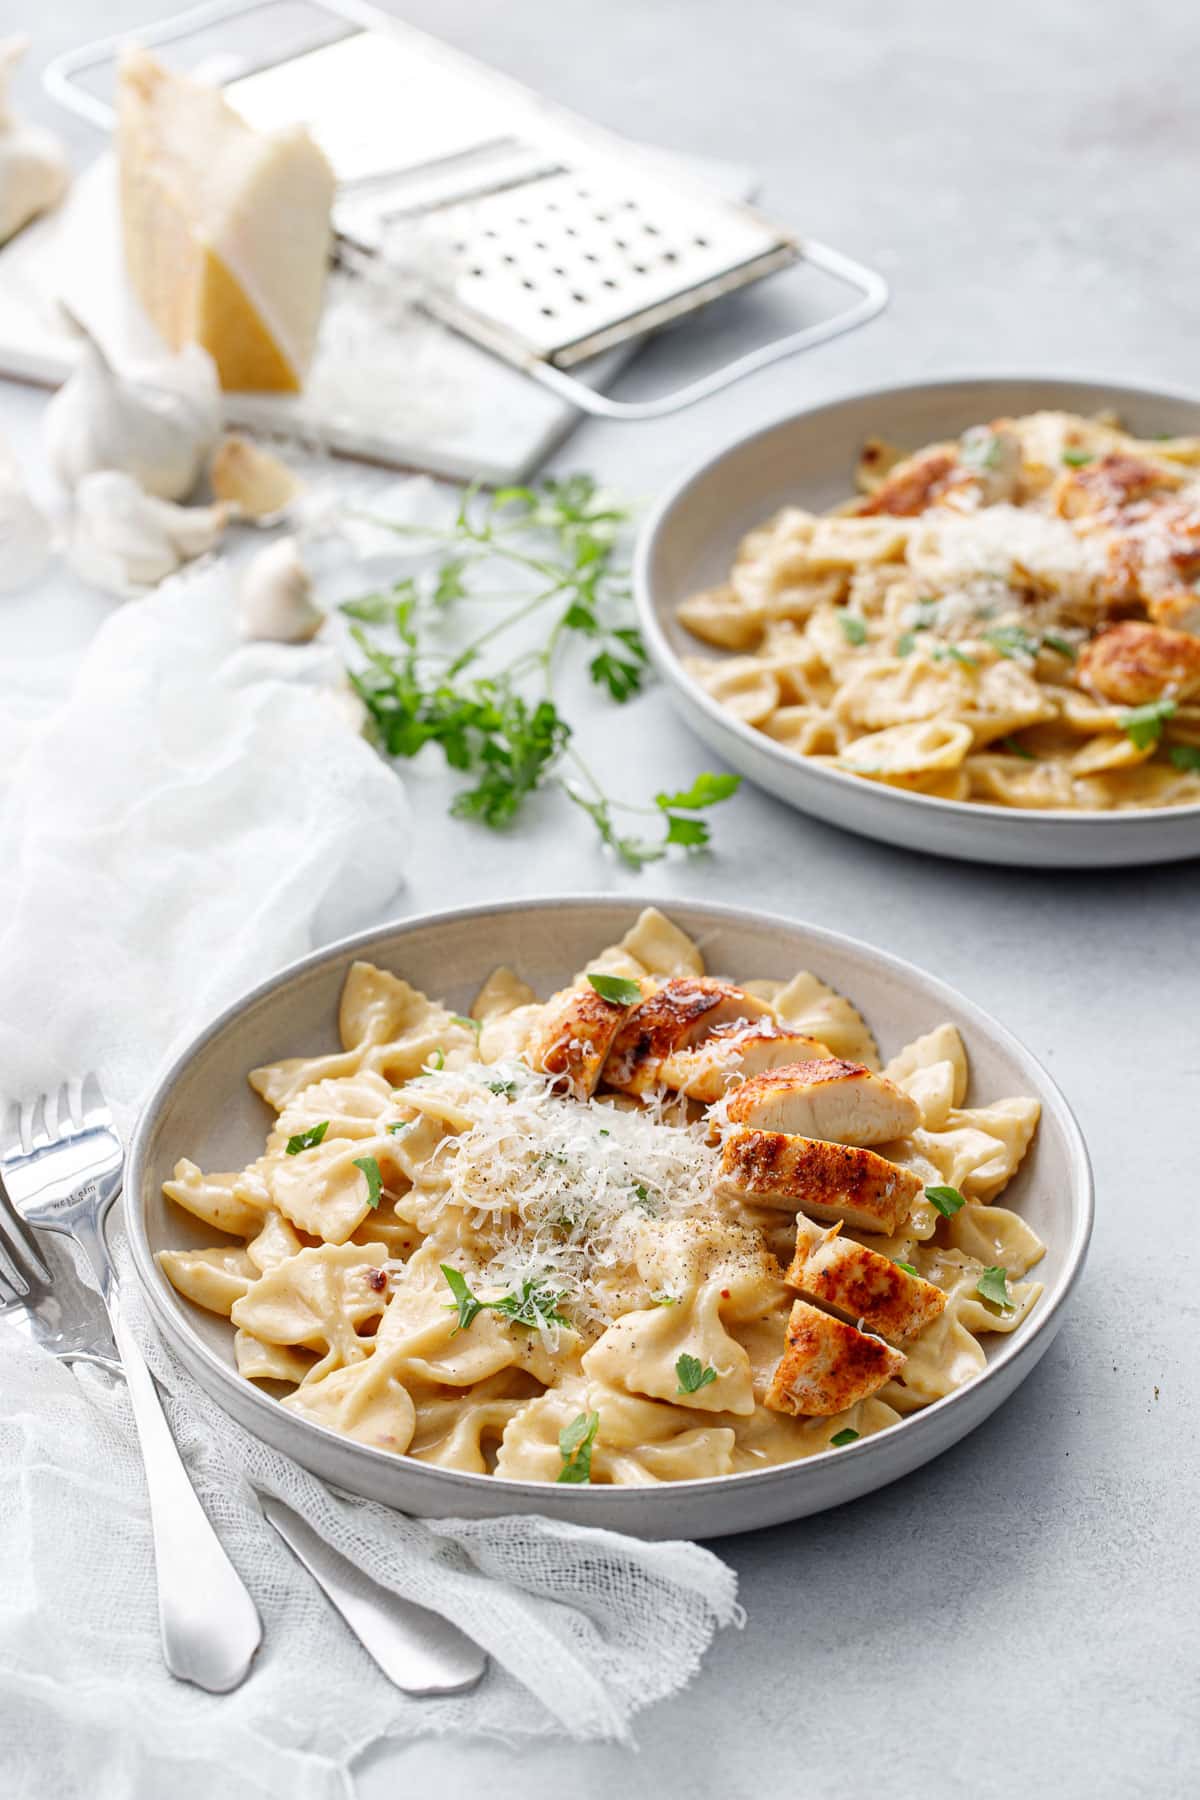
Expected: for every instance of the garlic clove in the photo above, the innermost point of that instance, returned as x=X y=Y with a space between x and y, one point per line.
x=34 y=171
x=156 y=424
x=275 y=596
x=255 y=484
x=26 y=538
x=124 y=540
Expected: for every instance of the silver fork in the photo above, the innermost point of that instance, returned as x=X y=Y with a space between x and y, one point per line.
x=64 y=1177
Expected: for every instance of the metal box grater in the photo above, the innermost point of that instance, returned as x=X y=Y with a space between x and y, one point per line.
x=541 y=237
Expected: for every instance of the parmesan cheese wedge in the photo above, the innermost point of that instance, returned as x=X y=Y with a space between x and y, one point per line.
x=226 y=230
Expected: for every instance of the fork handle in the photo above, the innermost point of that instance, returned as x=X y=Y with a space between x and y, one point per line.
x=209 y=1625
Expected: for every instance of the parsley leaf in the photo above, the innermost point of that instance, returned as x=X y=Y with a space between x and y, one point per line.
x=534 y=1305
x=707 y=790
x=690 y=832
x=618 y=990
x=399 y=1125
x=692 y=1374
x=475 y=1025
x=993 y=1285
x=370 y=1169
x=1015 y=749
x=952 y=653
x=307 y=1140
x=575 y=1447
x=1012 y=641
x=845 y=1436
x=854 y=629
x=906 y=643
x=1186 y=757
x=1060 y=645
x=946 y=1199
x=437 y=1058
x=664 y=1299
x=469 y=1308
x=907 y=1267
x=502 y=1089
x=1078 y=459
x=1143 y=725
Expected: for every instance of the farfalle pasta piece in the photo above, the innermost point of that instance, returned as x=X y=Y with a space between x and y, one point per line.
x=259 y=1361
x=979 y=1150
x=994 y=1237
x=809 y=1005
x=640 y=1351
x=364 y=1401
x=213 y=1279
x=317 y=1300
x=933 y=1069
x=637 y=1443
x=462 y=1430
x=228 y=1202
x=324 y=1192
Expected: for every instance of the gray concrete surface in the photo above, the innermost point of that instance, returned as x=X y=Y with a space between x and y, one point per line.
x=1019 y=1618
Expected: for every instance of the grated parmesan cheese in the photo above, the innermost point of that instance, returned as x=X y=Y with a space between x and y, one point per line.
x=558 y=1189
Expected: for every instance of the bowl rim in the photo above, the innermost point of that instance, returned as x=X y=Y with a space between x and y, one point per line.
x=521 y=1494
x=671 y=668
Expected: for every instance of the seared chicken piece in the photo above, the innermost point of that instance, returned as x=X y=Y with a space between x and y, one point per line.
x=574 y=1037
x=914 y=484
x=829 y=1182
x=1111 y=482
x=1180 y=610
x=675 y=1017
x=861 y=1285
x=734 y=1053
x=841 y=1102
x=1133 y=663
x=828 y=1365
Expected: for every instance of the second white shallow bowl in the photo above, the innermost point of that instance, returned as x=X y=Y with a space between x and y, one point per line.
x=204 y=1109
x=808 y=460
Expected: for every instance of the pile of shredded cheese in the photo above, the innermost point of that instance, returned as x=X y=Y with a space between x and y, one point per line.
x=562 y=1190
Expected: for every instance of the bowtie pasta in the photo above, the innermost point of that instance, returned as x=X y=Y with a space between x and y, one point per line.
x=662 y=1225
x=1012 y=618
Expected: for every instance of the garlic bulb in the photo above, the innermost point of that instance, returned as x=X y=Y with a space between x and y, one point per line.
x=157 y=425
x=34 y=171
x=25 y=536
x=275 y=596
x=124 y=540
x=255 y=484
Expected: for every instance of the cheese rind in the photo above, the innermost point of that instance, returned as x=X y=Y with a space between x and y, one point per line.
x=226 y=230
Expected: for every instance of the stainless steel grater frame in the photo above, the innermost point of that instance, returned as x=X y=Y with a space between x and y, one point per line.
x=553 y=241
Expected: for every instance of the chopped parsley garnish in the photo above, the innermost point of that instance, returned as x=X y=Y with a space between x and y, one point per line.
x=1060 y=645
x=1078 y=459
x=618 y=990
x=505 y=1090
x=1143 y=725
x=534 y=1304
x=845 y=1436
x=1012 y=640
x=307 y=1140
x=907 y=1267
x=1015 y=749
x=980 y=448
x=475 y=1025
x=906 y=643
x=370 y=1169
x=706 y=790
x=952 y=653
x=692 y=1374
x=664 y=1299
x=437 y=1059
x=575 y=1447
x=399 y=1125
x=853 y=628
x=993 y=1285
x=1186 y=757
x=946 y=1199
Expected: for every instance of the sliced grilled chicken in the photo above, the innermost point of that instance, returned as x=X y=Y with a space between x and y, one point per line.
x=674 y=1018
x=829 y=1182
x=574 y=1036
x=1133 y=663
x=828 y=1365
x=861 y=1285
x=841 y=1102
x=734 y=1053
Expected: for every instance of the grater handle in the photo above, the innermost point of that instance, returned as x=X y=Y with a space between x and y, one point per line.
x=874 y=297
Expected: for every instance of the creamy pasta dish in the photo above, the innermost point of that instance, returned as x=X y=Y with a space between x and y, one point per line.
x=1011 y=618
x=662 y=1225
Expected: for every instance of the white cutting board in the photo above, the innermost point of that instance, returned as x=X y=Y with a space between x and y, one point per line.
x=387 y=384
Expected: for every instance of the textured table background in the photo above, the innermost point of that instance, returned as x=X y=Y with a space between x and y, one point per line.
x=1021 y=1616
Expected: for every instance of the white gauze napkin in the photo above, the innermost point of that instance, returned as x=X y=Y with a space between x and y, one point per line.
x=196 y=813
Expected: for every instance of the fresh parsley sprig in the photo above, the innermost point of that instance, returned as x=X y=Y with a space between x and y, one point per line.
x=575 y=1447
x=307 y=1140
x=504 y=728
x=947 y=1200
x=692 y=1375
x=993 y=1286
x=534 y=1304
x=1143 y=725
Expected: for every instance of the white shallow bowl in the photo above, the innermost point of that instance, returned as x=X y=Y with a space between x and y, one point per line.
x=808 y=460
x=204 y=1109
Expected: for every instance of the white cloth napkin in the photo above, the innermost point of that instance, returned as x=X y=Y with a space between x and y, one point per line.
x=196 y=813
